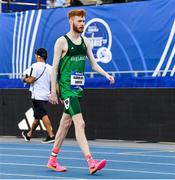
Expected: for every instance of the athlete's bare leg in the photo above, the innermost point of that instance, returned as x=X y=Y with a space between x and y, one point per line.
x=63 y=129
x=80 y=133
x=79 y=124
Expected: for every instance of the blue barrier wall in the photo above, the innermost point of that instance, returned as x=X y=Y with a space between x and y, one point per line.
x=137 y=36
x=102 y=83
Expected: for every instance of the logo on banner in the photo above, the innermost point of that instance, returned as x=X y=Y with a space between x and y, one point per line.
x=26 y=123
x=100 y=36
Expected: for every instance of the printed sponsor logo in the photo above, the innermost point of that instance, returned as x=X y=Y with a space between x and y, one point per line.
x=100 y=36
x=66 y=103
x=26 y=123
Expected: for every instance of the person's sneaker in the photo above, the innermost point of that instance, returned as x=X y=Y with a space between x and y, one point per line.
x=95 y=165
x=25 y=136
x=55 y=166
x=48 y=140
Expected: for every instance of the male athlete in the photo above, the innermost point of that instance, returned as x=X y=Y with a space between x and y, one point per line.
x=68 y=64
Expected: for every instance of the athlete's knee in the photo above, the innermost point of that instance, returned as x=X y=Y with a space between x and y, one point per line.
x=80 y=125
x=67 y=123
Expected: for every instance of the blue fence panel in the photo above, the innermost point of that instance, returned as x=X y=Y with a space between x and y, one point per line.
x=103 y=83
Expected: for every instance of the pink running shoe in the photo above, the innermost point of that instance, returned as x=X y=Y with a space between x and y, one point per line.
x=96 y=166
x=55 y=166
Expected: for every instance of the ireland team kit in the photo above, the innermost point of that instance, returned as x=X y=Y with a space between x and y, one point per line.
x=71 y=76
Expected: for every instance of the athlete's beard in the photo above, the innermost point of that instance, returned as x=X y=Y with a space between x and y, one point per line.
x=76 y=29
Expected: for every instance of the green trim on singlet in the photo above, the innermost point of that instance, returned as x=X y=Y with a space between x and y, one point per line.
x=73 y=61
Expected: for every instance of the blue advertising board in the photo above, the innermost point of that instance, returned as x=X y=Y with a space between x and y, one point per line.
x=128 y=37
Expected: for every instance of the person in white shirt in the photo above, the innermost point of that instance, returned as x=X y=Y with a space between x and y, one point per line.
x=38 y=75
x=58 y=3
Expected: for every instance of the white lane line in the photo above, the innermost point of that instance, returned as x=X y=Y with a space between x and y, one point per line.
x=81 y=159
x=148 y=155
x=143 y=154
x=32 y=175
x=140 y=149
x=105 y=169
x=78 y=151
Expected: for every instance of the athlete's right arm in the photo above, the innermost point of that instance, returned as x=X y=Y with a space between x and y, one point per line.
x=58 y=49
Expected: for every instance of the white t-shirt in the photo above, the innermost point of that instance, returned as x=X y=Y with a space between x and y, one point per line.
x=40 y=89
x=59 y=3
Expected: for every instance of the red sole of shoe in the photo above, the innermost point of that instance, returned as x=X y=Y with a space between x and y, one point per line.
x=50 y=167
x=100 y=165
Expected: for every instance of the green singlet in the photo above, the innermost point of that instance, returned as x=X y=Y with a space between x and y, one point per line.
x=71 y=70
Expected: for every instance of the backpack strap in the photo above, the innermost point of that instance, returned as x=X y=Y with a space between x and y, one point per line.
x=41 y=74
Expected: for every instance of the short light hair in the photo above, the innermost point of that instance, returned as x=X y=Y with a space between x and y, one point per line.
x=77 y=12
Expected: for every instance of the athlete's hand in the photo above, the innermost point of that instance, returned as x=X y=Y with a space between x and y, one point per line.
x=53 y=99
x=110 y=78
x=61 y=101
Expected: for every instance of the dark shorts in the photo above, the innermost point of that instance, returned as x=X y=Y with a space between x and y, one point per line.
x=39 y=108
x=72 y=106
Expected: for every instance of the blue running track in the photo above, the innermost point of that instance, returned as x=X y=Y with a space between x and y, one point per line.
x=28 y=161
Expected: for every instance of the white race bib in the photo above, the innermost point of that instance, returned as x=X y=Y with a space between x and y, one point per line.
x=77 y=80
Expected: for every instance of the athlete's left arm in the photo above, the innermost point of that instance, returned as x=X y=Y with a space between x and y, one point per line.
x=94 y=64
